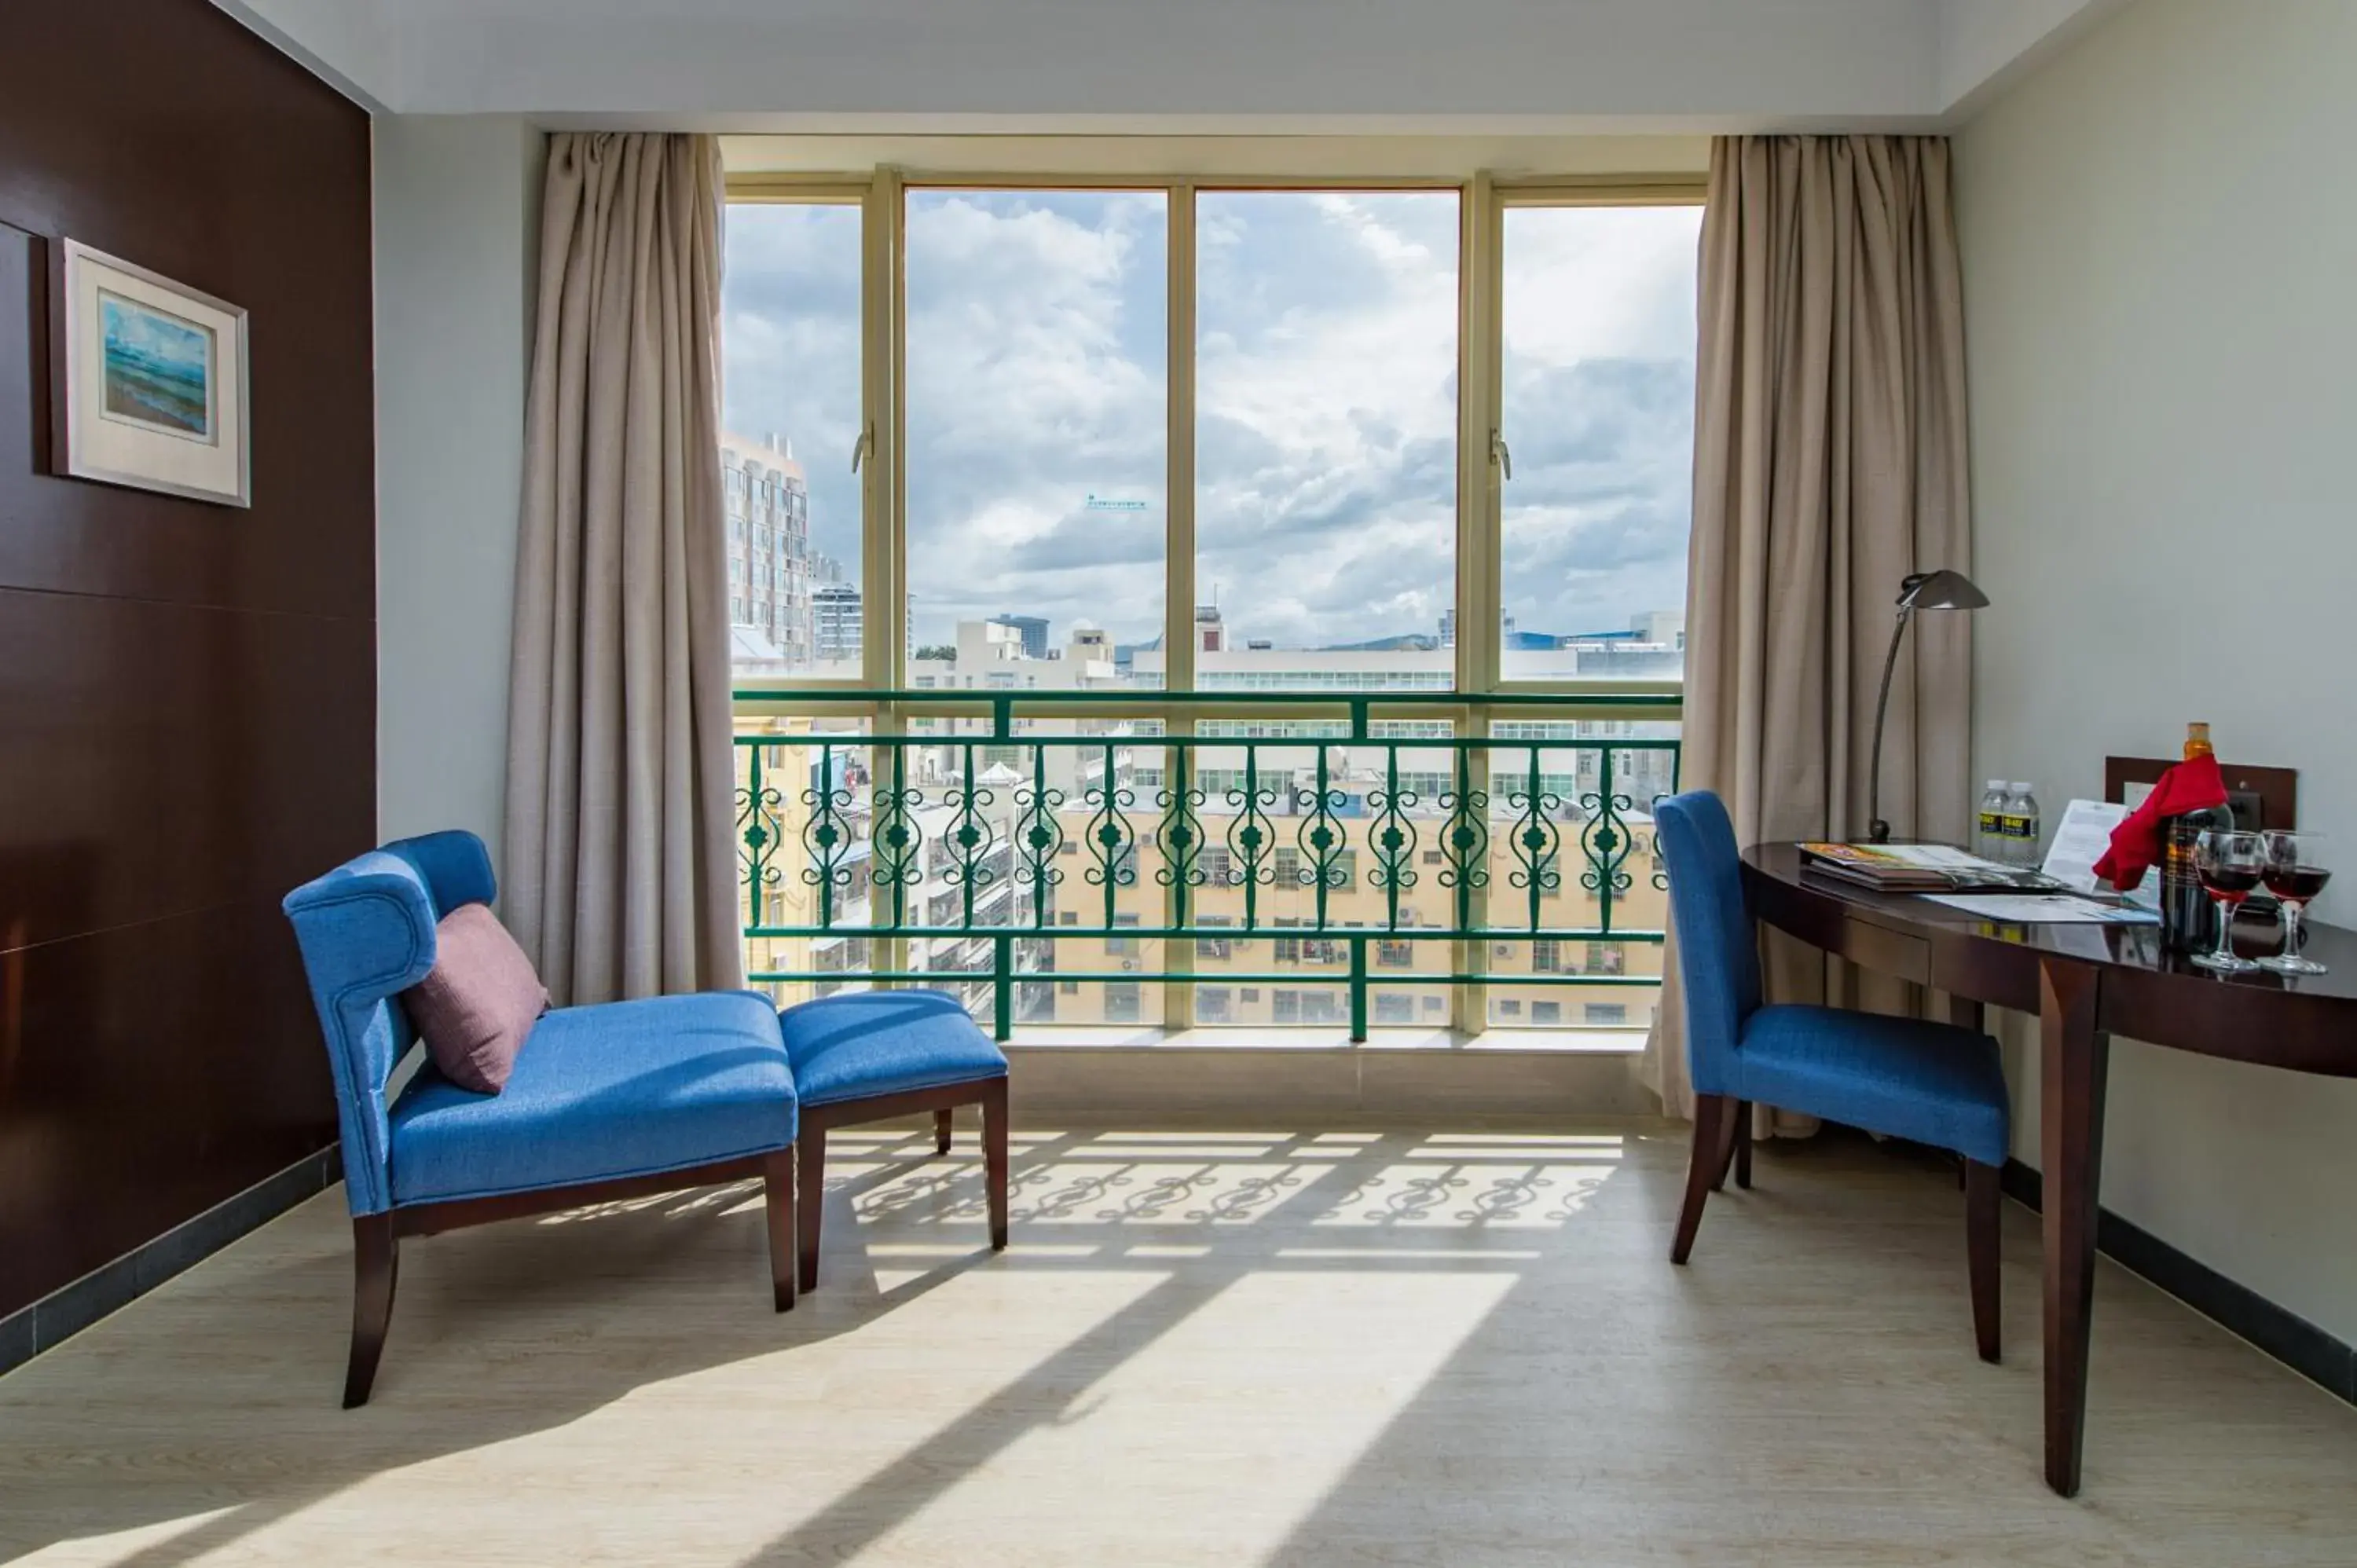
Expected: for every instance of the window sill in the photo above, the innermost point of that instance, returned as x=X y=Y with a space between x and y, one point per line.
x=1334 y=1037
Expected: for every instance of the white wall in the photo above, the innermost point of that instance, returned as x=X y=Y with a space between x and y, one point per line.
x=1987 y=45
x=2158 y=255
x=457 y=226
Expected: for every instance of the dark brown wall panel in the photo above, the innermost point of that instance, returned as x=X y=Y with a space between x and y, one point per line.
x=149 y=1072
x=188 y=707
x=193 y=756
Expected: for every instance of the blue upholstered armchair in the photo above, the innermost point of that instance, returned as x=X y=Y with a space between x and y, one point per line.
x=1904 y=1078
x=603 y=1103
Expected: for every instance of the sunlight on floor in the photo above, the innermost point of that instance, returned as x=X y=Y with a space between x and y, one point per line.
x=1287 y=1348
x=1197 y=1425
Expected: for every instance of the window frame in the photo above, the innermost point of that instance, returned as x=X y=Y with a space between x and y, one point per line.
x=877 y=197
x=1489 y=323
x=1483 y=198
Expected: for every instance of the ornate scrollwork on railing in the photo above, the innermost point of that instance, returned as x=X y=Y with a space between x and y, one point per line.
x=1179 y=838
x=1605 y=843
x=970 y=835
x=826 y=839
x=1465 y=839
x=1251 y=840
x=896 y=863
x=1321 y=838
x=760 y=822
x=1110 y=838
x=1322 y=843
x=1536 y=843
x=1039 y=838
x=1391 y=835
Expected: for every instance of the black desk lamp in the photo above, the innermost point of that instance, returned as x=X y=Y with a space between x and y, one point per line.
x=1941 y=590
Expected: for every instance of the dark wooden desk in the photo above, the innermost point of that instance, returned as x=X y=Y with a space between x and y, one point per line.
x=2086 y=983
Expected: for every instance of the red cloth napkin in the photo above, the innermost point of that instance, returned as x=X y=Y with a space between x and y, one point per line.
x=2191 y=786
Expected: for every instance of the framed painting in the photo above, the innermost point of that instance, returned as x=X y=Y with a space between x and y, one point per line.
x=152 y=383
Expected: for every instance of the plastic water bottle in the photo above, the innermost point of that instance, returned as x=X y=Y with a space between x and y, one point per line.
x=2023 y=828
x=1989 y=830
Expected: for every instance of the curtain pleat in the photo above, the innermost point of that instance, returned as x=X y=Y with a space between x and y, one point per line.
x=1830 y=461
x=618 y=859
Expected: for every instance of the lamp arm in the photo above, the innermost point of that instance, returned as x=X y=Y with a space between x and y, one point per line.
x=1877 y=830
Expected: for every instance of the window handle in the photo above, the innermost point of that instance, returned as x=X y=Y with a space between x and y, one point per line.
x=1502 y=454
x=863 y=447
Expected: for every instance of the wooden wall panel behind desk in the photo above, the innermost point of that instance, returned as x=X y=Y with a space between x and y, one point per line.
x=187 y=705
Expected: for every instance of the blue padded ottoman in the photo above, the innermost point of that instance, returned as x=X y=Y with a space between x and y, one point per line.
x=873 y=1055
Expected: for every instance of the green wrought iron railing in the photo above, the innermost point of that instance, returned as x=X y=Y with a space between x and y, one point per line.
x=1021 y=845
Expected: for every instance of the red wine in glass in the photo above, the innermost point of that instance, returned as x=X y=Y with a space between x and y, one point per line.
x=2229 y=883
x=2230 y=865
x=2295 y=874
x=2297 y=884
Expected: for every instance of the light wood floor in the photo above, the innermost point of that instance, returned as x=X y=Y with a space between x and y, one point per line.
x=1220 y=1349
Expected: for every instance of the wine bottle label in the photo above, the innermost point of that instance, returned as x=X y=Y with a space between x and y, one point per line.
x=2177 y=852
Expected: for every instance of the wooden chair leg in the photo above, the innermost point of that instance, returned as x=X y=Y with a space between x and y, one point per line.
x=941 y=1120
x=1711 y=1113
x=1982 y=1232
x=811 y=1157
x=1734 y=1149
x=994 y=1159
x=777 y=1208
x=376 y=1266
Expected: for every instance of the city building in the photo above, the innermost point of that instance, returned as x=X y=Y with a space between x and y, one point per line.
x=838 y=629
x=1034 y=630
x=769 y=575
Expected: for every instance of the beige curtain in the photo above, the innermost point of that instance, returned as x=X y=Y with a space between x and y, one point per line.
x=1829 y=463
x=618 y=868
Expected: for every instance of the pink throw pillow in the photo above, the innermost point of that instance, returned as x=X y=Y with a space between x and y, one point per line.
x=479 y=1002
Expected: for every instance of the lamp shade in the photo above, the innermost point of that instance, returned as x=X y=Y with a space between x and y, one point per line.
x=1941 y=590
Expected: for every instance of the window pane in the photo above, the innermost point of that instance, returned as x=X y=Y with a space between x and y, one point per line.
x=1598 y=375
x=790 y=382
x=1326 y=438
x=1036 y=340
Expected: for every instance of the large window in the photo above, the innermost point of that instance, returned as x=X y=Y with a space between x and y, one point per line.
x=1036 y=432
x=1597 y=413
x=1423 y=438
x=1326 y=437
x=791 y=409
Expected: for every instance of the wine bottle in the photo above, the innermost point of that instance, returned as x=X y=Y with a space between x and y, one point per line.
x=2189 y=918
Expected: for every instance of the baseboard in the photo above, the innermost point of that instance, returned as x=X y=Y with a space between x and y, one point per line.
x=2290 y=1339
x=1435 y=1085
x=66 y=1311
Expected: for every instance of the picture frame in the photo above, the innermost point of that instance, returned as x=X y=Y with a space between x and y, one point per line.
x=149 y=380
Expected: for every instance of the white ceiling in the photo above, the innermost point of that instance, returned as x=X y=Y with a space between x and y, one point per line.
x=1560 y=67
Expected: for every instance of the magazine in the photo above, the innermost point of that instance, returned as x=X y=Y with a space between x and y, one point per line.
x=1921 y=868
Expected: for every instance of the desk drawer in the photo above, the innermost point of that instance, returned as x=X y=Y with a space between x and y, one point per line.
x=1886 y=952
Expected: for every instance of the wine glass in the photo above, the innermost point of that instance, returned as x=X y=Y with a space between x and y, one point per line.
x=2230 y=866
x=2295 y=874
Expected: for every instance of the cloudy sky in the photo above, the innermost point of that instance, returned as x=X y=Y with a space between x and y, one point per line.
x=1326 y=404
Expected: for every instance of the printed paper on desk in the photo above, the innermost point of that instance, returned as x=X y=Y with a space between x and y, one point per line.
x=2040 y=910
x=2084 y=834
